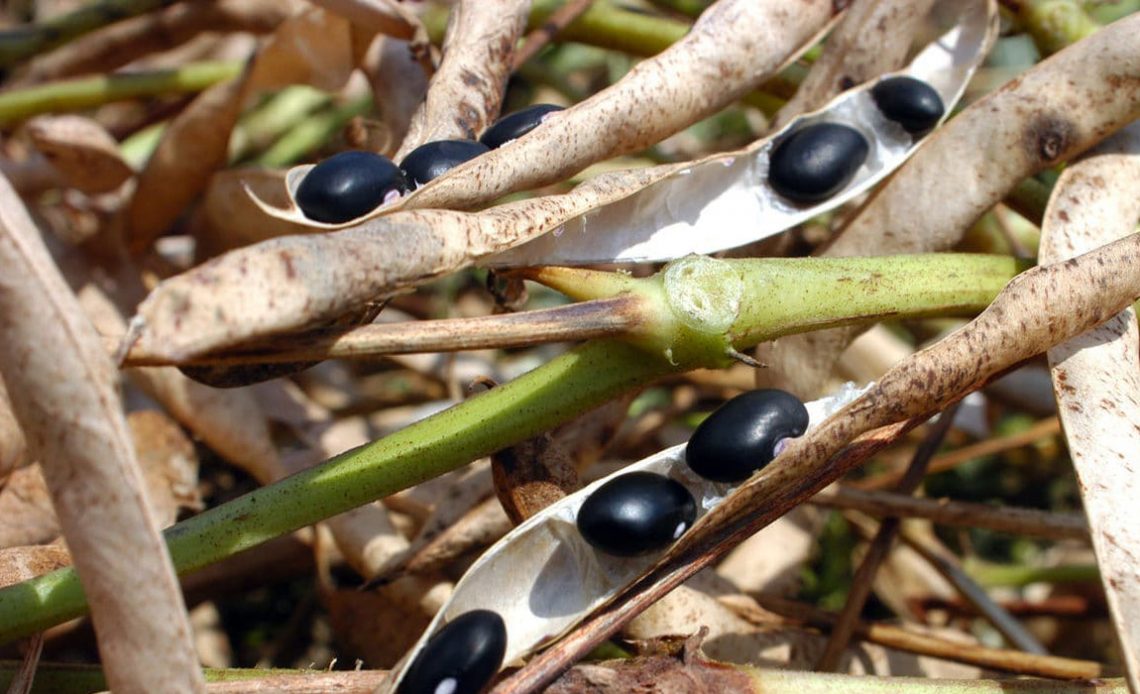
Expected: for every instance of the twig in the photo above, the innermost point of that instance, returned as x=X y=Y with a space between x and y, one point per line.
x=877 y=551
x=580 y=321
x=1003 y=519
x=911 y=642
x=951 y=460
x=947 y=565
x=542 y=35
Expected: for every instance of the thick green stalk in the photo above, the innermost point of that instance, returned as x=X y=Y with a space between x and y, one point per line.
x=535 y=402
x=695 y=312
x=74 y=95
x=794 y=295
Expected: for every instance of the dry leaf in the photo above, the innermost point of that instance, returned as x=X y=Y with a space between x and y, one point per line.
x=12 y=444
x=169 y=464
x=82 y=151
x=18 y=564
x=26 y=510
x=67 y=404
x=1096 y=379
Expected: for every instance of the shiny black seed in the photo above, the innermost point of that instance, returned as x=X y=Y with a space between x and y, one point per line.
x=437 y=158
x=516 y=124
x=911 y=103
x=348 y=185
x=816 y=161
x=741 y=436
x=468 y=651
x=636 y=513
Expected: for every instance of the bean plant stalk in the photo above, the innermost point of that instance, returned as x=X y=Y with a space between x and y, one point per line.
x=698 y=313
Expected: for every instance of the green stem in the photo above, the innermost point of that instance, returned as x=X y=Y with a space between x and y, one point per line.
x=280 y=112
x=23 y=42
x=608 y=26
x=313 y=132
x=1055 y=24
x=535 y=402
x=74 y=95
x=694 y=311
x=1009 y=576
x=794 y=295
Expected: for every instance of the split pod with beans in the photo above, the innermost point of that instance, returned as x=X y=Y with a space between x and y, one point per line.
x=517 y=124
x=669 y=211
x=460 y=658
x=349 y=185
x=434 y=159
x=745 y=434
x=561 y=564
x=815 y=163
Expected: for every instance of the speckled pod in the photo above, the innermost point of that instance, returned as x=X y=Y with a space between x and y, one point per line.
x=543 y=577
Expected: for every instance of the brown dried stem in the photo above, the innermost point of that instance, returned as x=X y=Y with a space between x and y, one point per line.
x=1003 y=519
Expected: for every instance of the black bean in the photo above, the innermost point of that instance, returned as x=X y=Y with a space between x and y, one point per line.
x=348 y=185
x=516 y=124
x=437 y=158
x=461 y=658
x=816 y=161
x=911 y=103
x=741 y=436
x=636 y=513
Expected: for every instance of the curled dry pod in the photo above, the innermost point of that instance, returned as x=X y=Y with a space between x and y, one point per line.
x=636 y=513
x=516 y=125
x=460 y=658
x=348 y=185
x=910 y=102
x=816 y=161
x=742 y=435
x=437 y=158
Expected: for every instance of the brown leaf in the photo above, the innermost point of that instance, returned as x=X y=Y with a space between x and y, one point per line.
x=169 y=465
x=21 y=563
x=531 y=475
x=12 y=444
x=81 y=150
x=67 y=404
x=28 y=517
x=1095 y=376
x=399 y=86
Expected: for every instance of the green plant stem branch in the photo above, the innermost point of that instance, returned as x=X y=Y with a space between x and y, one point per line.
x=535 y=402
x=699 y=309
x=312 y=132
x=1011 y=576
x=75 y=95
x=23 y=42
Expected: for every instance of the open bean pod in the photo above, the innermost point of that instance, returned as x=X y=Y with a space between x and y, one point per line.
x=544 y=577
x=728 y=199
x=735 y=198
